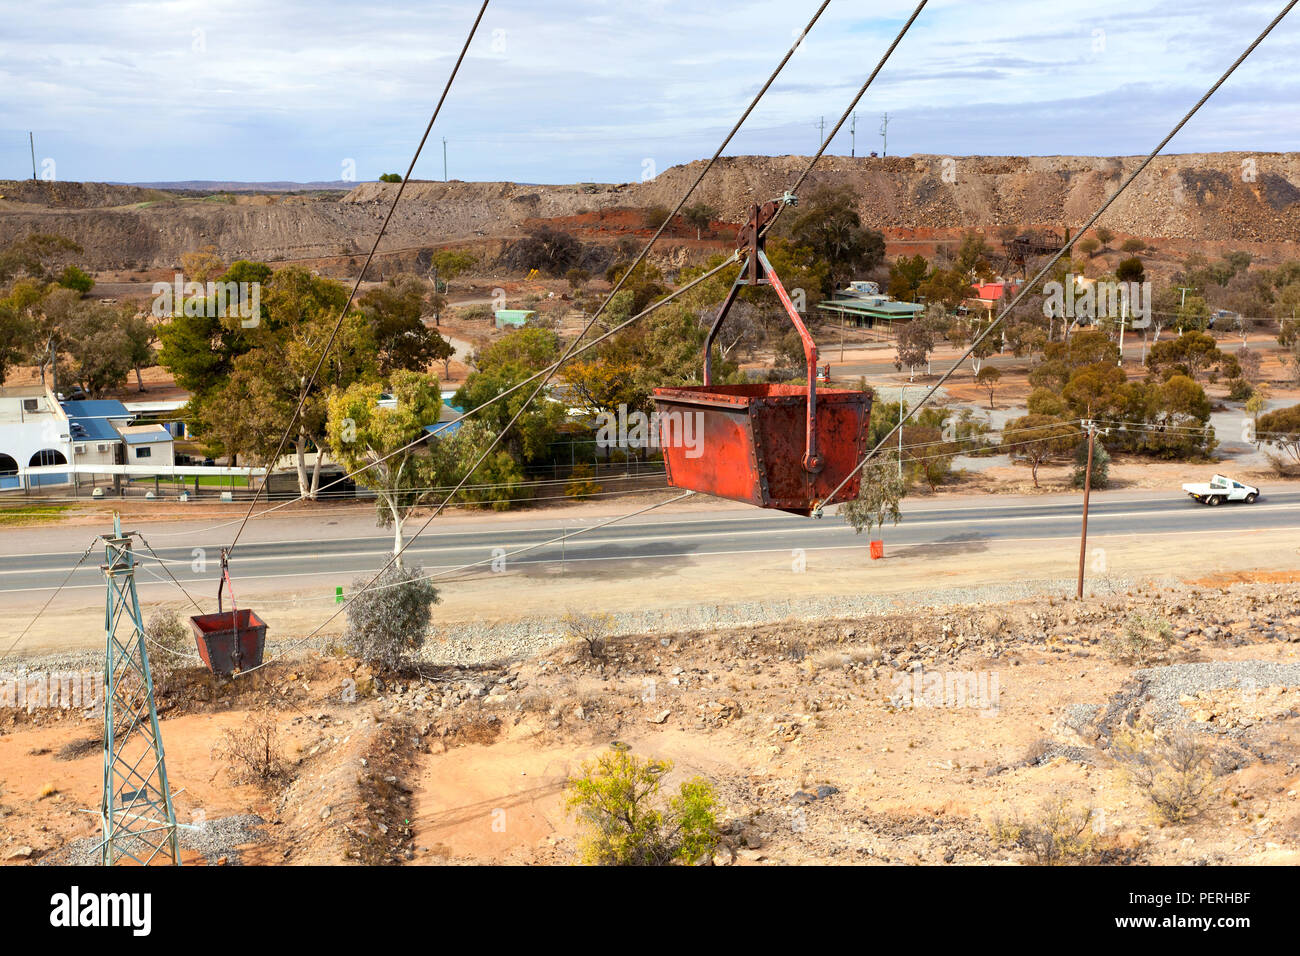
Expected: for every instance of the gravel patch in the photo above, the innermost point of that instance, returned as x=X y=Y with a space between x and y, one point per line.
x=495 y=642
x=479 y=643
x=1163 y=687
x=212 y=839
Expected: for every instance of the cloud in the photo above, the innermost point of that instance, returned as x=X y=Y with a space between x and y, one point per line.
x=568 y=90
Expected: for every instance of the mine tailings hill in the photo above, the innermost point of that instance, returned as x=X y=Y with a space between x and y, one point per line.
x=1245 y=197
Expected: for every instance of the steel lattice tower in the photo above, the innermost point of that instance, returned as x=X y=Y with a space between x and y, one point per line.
x=136 y=814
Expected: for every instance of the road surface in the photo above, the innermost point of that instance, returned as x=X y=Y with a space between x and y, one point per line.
x=34 y=561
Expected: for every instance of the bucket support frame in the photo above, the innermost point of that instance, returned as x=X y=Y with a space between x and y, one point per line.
x=756 y=270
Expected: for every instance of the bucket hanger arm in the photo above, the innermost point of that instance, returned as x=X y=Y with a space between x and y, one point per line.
x=757 y=270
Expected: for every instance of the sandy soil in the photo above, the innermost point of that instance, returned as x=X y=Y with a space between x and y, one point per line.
x=799 y=727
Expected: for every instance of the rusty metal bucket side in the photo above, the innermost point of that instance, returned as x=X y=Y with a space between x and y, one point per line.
x=229 y=640
x=727 y=466
x=842 y=422
x=753 y=437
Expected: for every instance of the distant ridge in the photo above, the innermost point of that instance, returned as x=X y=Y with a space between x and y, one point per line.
x=214 y=185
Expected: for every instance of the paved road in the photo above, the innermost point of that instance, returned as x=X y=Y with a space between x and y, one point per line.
x=934 y=527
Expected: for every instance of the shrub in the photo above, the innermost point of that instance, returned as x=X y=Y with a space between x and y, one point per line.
x=592 y=630
x=1239 y=390
x=1059 y=833
x=76 y=279
x=580 y=484
x=1144 y=639
x=1100 y=465
x=253 y=752
x=1171 y=771
x=389 y=620
x=879 y=493
x=656 y=216
x=170 y=645
x=630 y=823
x=391 y=178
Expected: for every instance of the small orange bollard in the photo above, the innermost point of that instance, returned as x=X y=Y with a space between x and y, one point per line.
x=877 y=550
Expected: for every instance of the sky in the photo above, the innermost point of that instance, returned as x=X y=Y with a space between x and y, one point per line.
x=614 y=90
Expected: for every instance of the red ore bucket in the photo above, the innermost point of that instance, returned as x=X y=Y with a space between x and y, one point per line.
x=748 y=442
x=229 y=640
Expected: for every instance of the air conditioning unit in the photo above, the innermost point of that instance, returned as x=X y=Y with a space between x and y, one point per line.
x=102 y=447
x=79 y=449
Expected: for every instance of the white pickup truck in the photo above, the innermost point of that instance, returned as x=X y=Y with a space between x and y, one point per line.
x=1221 y=489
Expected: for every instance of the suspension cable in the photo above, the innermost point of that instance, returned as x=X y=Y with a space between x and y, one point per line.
x=1062 y=251
x=847 y=112
x=613 y=292
x=311 y=381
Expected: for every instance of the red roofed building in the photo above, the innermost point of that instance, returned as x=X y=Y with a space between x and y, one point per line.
x=989 y=294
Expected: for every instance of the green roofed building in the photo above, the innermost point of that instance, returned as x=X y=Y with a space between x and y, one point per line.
x=871 y=311
x=515 y=318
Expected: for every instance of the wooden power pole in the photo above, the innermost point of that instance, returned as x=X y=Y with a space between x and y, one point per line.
x=1087 y=490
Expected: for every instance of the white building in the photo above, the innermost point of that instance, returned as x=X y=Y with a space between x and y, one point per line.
x=148 y=445
x=34 y=431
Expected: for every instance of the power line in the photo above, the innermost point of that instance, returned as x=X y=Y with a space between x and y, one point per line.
x=371 y=586
x=1068 y=245
x=609 y=298
x=849 y=111
x=329 y=344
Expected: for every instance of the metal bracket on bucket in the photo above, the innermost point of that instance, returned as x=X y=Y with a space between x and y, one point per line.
x=757 y=270
x=224 y=581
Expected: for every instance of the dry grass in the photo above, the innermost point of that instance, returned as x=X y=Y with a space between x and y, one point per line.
x=1059 y=833
x=253 y=753
x=1172 y=771
x=1144 y=639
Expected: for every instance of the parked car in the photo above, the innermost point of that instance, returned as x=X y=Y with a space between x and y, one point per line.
x=1220 y=489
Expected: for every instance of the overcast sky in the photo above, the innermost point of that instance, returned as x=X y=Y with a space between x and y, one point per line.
x=573 y=90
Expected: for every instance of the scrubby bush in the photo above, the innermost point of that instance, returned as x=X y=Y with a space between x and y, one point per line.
x=656 y=216
x=1100 y=465
x=631 y=824
x=170 y=644
x=389 y=620
x=1144 y=639
x=76 y=279
x=252 y=751
x=1172 y=770
x=592 y=630
x=581 y=485
x=1058 y=833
